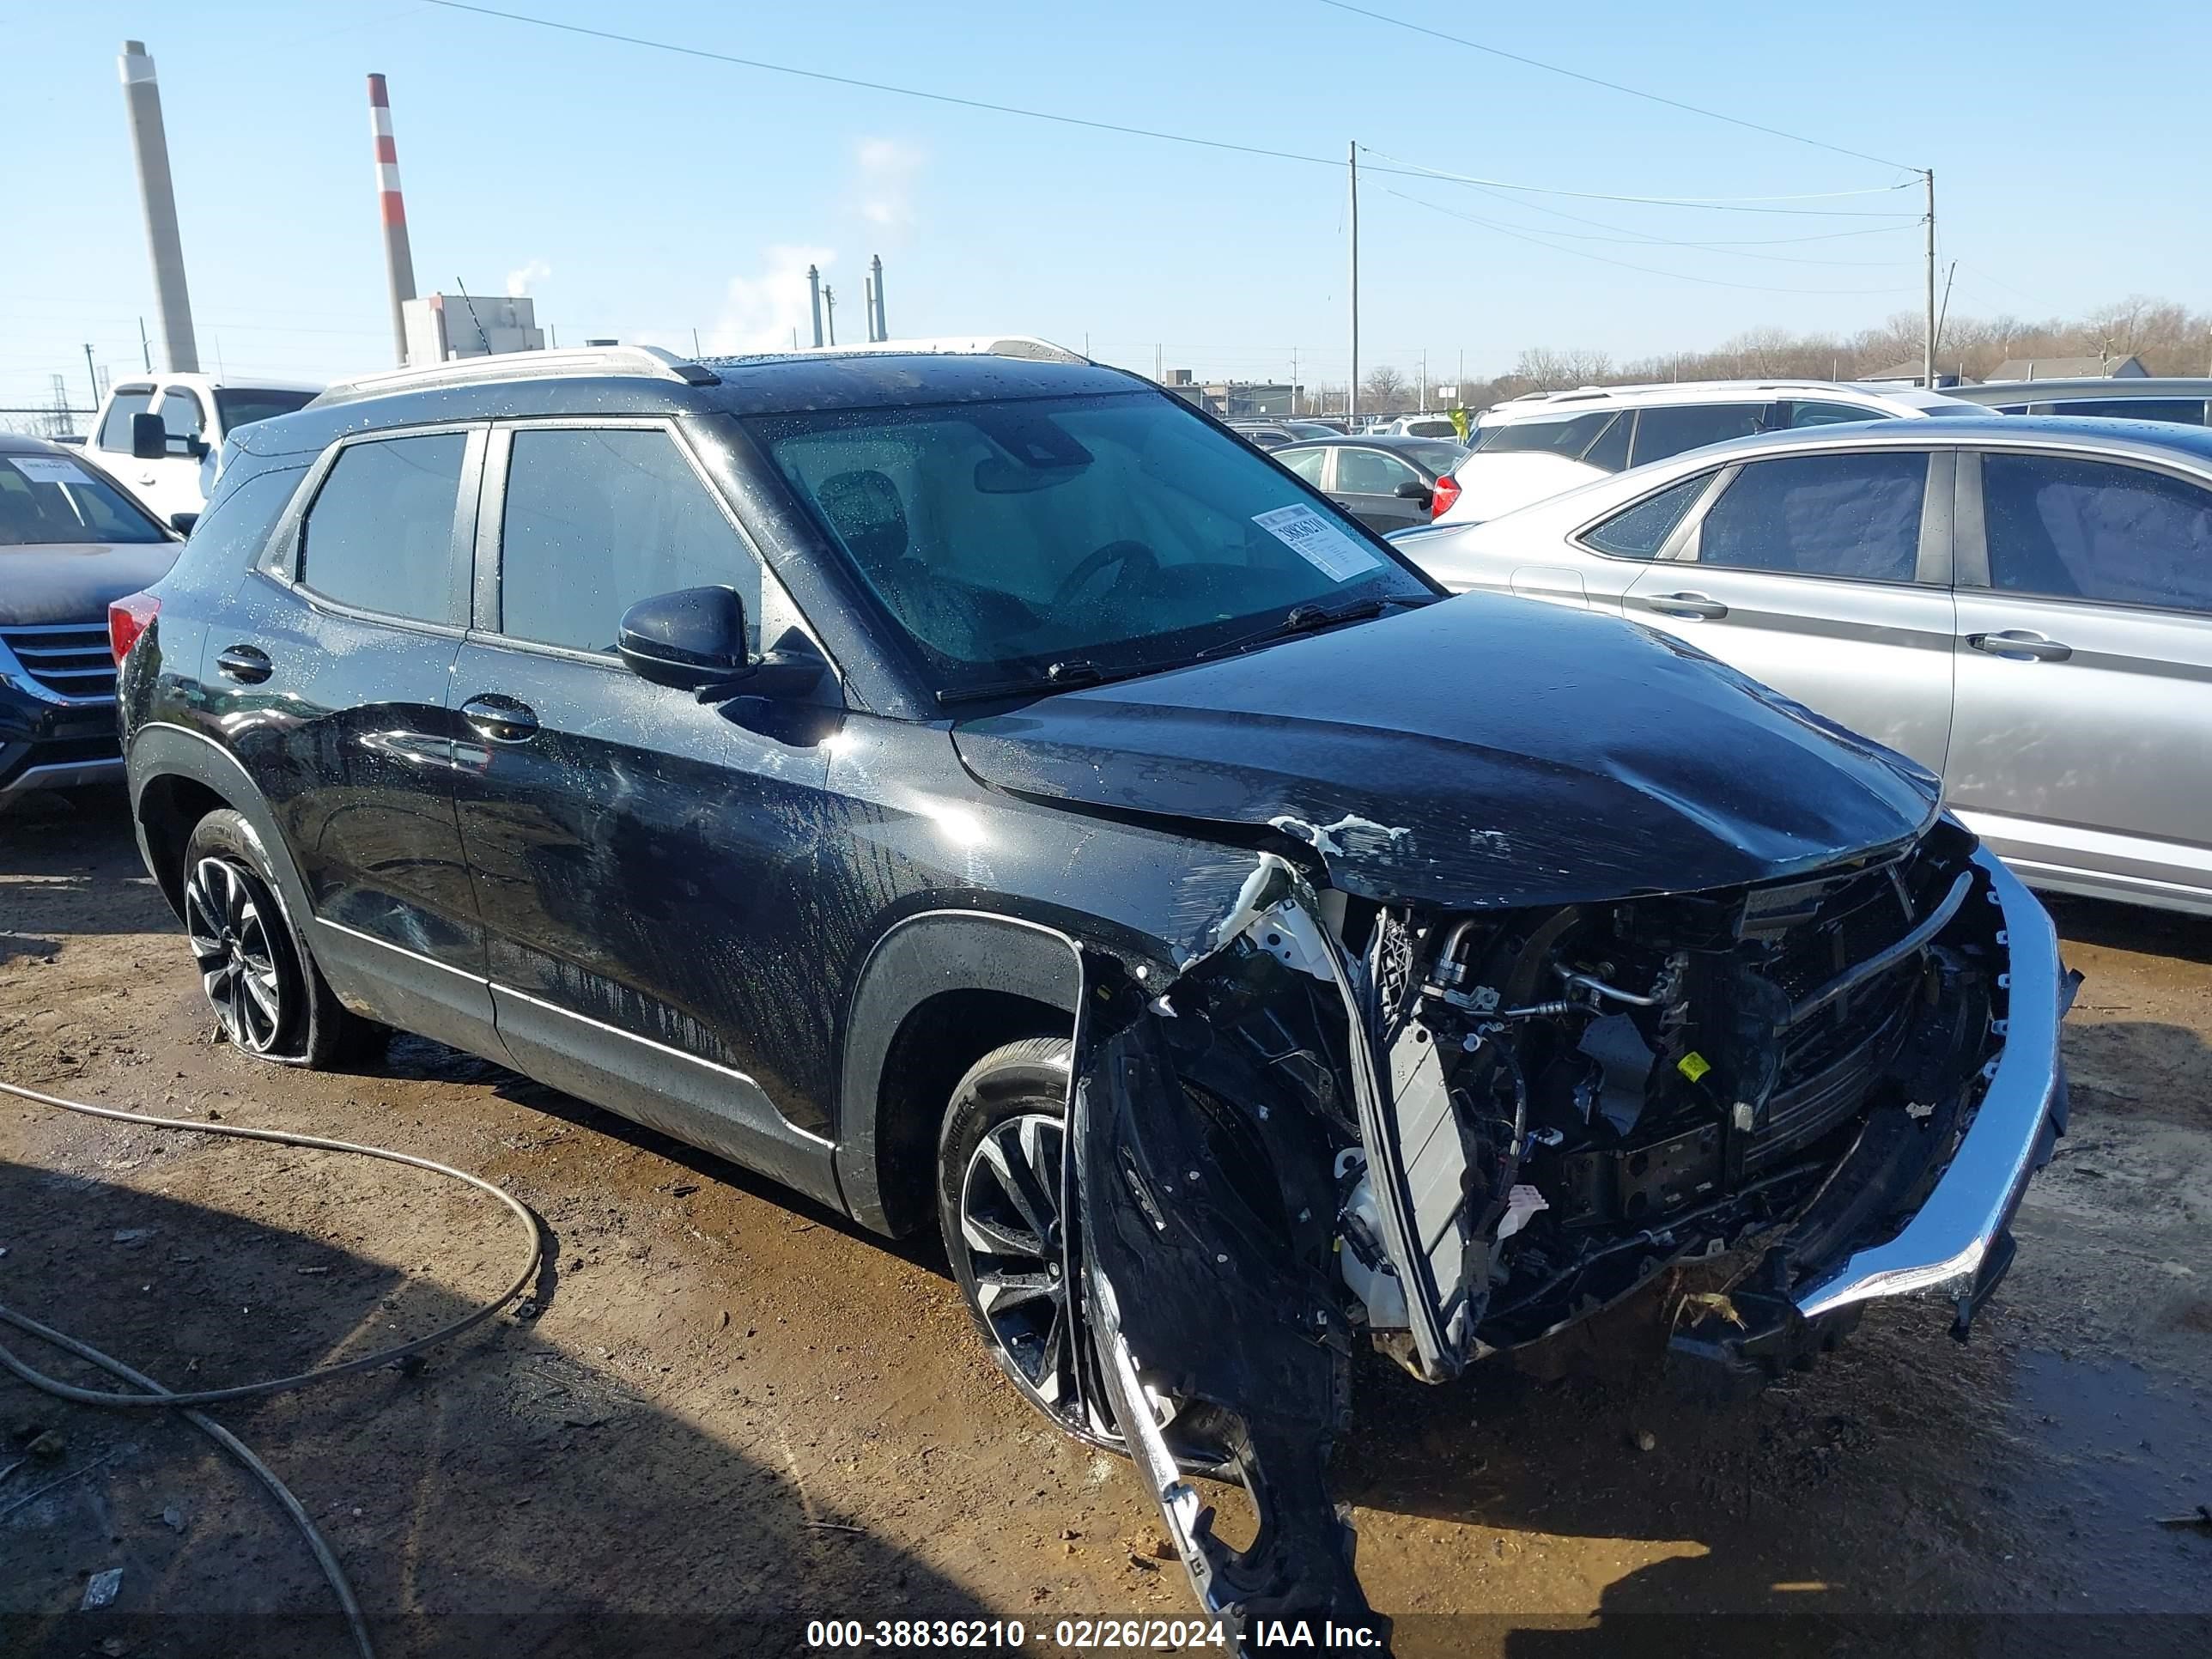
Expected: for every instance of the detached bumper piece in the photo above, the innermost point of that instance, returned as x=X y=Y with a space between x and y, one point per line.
x=1954 y=1243
x=1217 y=1344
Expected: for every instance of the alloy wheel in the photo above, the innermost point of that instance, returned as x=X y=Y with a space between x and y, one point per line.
x=229 y=924
x=1009 y=1224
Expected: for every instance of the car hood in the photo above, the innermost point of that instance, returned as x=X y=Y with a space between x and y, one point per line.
x=73 y=581
x=1477 y=752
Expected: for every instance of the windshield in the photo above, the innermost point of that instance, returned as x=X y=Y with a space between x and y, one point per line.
x=1114 y=534
x=243 y=405
x=46 y=499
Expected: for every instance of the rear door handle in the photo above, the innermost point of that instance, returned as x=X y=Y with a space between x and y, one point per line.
x=247 y=663
x=2019 y=645
x=497 y=719
x=1687 y=605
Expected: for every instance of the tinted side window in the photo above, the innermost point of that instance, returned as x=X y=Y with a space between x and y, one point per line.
x=2093 y=529
x=1639 y=531
x=1371 y=472
x=1805 y=413
x=1821 y=515
x=380 y=532
x=115 y=430
x=2190 y=411
x=1611 y=449
x=1569 y=436
x=1307 y=464
x=1669 y=431
x=234 y=529
x=597 y=520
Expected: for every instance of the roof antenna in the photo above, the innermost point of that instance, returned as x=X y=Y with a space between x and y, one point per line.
x=473 y=317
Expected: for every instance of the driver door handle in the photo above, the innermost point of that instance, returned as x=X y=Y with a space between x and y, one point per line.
x=1687 y=605
x=497 y=719
x=2021 y=645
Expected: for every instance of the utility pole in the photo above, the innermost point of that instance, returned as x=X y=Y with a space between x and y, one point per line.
x=93 y=374
x=876 y=271
x=1928 y=363
x=1352 y=385
x=830 y=305
x=145 y=350
x=1424 y=380
x=1294 y=382
x=814 y=303
x=150 y=144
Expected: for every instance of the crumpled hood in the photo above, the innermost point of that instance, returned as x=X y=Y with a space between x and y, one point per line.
x=1478 y=752
x=73 y=581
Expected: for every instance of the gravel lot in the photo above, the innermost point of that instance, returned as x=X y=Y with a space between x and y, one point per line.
x=733 y=1412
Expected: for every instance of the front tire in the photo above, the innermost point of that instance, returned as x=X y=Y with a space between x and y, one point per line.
x=258 y=977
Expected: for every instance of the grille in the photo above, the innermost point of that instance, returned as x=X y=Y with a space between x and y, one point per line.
x=70 y=659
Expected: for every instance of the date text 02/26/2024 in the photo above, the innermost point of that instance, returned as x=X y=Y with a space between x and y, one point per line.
x=1107 y=1635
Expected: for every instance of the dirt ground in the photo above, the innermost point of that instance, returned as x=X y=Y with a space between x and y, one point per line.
x=725 y=1412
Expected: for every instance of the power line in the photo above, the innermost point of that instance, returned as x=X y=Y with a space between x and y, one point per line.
x=1127 y=131
x=1710 y=204
x=1614 y=86
x=1650 y=238
x=1649 y=271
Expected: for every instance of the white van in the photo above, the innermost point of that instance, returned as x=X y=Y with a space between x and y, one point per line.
x=168 y=472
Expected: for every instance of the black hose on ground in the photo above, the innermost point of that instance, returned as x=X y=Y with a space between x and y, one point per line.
x=159 y=1398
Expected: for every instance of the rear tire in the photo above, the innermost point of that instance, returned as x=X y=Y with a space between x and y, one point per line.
x=258 y=977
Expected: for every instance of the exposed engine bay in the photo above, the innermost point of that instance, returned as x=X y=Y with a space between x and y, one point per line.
x=1442 y=1135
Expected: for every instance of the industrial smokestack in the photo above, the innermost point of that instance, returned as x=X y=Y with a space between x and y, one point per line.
x=149 y=144
x=814 y=300
x=868 y=304
x=398 y=257
x=876 y=270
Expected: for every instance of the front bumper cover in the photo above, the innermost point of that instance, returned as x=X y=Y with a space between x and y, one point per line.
x=1959 y=1244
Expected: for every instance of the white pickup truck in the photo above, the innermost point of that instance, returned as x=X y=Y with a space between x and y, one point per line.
x=167 y=462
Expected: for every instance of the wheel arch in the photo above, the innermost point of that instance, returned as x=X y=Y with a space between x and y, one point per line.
x=939 y=992
x=177 y=778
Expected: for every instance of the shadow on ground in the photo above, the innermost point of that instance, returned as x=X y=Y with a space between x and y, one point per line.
x=492 y=1503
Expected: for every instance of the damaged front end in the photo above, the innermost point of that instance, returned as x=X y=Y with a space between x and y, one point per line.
x=1351 y=1121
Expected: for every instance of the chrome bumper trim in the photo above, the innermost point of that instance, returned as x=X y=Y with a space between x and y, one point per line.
x=63 y=774
x=1943 y=1251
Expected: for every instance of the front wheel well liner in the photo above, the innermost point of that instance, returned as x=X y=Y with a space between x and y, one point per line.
x=936 y=1042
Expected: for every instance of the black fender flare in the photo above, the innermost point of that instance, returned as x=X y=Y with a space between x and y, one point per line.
x=920 y=957
x=159 y=750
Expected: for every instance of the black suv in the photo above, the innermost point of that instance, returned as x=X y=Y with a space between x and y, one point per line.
x=980 y=790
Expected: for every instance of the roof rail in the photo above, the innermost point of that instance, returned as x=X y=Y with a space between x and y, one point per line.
x=514 y=365
x=1027 y=346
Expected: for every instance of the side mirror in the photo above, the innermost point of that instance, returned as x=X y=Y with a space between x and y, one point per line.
x=689 y=638
x=149 y=439
x=1413 y=490
x=182 y=523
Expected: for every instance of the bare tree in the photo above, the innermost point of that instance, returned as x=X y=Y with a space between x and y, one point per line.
x=1384 y=387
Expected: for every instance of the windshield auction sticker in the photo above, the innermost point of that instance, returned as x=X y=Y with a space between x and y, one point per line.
x=1317 y=541
x=49 y=469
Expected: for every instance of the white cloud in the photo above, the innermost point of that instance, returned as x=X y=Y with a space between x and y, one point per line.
x=759 y=312
x=888 y=169
x=518 y=282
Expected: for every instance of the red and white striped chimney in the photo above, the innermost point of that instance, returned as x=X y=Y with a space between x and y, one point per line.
x=399 y=258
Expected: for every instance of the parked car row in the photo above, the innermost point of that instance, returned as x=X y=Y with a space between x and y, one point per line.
x=980 y=793
x=2023 y=604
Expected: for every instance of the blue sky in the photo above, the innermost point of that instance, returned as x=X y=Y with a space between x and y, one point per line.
x=643 y=195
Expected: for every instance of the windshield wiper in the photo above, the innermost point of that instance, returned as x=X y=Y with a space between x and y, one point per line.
x=1060 y=677
x=1305 y=619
